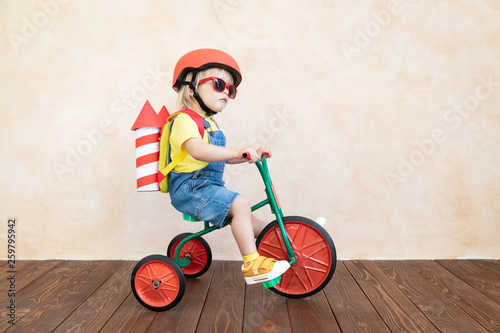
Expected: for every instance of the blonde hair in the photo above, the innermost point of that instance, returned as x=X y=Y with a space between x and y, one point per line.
x=184 y=99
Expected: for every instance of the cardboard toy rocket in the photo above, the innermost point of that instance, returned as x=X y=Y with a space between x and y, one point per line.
x=163 y=115
x=147 y=128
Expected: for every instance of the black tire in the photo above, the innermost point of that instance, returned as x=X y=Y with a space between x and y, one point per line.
x=313 y=248
x=198 y=251
x=158 y=283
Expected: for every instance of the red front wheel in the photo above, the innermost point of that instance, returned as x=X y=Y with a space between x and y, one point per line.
x=158 y=282
x=315 y=252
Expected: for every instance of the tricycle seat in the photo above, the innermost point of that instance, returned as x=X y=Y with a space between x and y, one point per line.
x=189 y=218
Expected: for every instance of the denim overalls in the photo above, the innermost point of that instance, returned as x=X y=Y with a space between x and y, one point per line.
x=202 y=193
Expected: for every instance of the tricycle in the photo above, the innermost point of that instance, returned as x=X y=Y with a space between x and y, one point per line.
x=158 y=281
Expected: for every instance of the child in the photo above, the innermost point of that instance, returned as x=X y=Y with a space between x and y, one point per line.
x=206 y=79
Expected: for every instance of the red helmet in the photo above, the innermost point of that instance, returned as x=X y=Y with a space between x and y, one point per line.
x=202 y=59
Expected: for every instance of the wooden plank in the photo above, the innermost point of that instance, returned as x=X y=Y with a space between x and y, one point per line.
x=43 y=288
x=440 y=310
x=6 y=273
x=184 y=316
x=398 y=312
x=93 y=314
x=351 y=307
x=34 y=270
x=25 y=272
x=477 y=305
x=311 y=314
x=223 y=311
x=476 y=276
x=49 y=314
x=492 y=266
x=403 y=296
x=130 y=317
x=265 y=311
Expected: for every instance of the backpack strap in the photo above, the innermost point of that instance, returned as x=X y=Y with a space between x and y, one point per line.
x=173 y=163
x=198 y=119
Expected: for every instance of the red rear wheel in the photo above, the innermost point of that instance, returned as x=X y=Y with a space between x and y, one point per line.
x=158 y=283
x=196 y=250
x=313 y=248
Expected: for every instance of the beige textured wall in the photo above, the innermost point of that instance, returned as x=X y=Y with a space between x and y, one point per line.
x=383 y=117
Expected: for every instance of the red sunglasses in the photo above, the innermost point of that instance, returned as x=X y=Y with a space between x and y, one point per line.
x=219 y=85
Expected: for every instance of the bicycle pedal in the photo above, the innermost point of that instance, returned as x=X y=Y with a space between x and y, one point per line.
x=271 y=283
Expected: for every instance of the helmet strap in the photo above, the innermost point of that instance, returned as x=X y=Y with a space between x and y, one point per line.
x=205 y=108
x=196 y=96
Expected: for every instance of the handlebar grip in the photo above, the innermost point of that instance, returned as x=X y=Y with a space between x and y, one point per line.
x=247 y=155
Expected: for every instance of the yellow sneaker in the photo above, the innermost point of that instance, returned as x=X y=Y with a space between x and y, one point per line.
x=264 y=269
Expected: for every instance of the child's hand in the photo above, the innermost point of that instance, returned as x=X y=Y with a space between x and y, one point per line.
x=251 y=155
x=264 y=150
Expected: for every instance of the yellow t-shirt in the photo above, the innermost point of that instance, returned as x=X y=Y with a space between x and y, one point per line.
x=185 y=128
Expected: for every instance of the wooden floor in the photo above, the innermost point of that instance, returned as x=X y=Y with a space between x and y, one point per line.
x=363 y=296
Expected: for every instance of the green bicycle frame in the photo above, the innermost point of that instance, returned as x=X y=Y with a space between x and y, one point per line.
x=272 y=200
